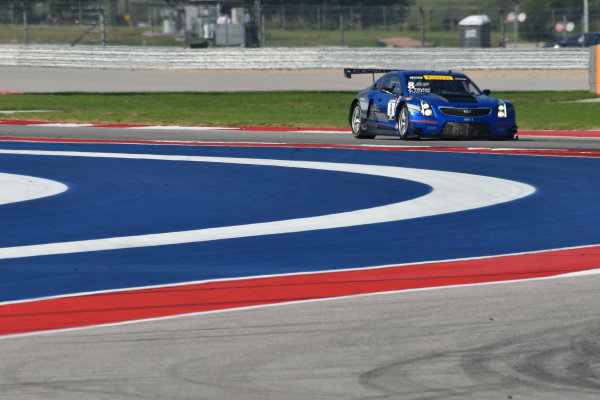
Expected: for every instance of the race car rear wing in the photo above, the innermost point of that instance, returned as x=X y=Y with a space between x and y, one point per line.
x=348 y=72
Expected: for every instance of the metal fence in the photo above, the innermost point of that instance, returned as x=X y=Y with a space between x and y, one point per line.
x=185 y=23
x=428 y=25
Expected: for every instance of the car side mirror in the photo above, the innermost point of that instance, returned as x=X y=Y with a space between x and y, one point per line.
x=487 y=92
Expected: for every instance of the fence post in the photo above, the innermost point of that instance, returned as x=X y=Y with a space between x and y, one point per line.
x=102 y=23
x=585 y=23
x=263 y=31
x=341 y=27
x=422 y=25
x=257 y=12
x=25 y=24
x=502 y=29
x=516 y=26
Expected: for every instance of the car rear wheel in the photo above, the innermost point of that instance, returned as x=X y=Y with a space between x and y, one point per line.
x=356 y=123
x=403 y=122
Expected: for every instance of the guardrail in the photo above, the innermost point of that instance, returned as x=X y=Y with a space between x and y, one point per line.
x=164 y=58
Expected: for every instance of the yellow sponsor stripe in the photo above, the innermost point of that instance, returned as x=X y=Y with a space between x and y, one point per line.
x=438 y=77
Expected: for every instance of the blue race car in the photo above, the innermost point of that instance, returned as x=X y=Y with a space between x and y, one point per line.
x=438 y=104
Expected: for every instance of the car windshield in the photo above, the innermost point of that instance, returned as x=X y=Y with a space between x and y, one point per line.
x=441 y=84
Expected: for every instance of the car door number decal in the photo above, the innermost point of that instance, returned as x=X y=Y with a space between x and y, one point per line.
x=391 y=109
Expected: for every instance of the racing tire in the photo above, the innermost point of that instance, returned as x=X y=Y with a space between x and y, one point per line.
x=356 y=124
x=403 y=122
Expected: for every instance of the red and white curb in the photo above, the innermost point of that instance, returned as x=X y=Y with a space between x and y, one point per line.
x=553 y=133
x=86 y=310
x=169 y=127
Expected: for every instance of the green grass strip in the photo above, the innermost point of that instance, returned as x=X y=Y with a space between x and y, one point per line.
x=535 y=110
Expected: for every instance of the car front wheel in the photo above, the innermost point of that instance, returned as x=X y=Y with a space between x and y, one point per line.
x=403 y=122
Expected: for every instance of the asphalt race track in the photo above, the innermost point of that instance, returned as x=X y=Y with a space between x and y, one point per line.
x=234 y=264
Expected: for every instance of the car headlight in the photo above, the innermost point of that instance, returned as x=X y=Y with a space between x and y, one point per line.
x=413 y=107
x=426 y=109
x=502 y=112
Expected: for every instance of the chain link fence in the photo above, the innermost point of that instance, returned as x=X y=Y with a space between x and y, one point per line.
x=420 y=26
x=196 y=24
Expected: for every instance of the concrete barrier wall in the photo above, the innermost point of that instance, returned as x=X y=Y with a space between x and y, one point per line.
x=160 y=58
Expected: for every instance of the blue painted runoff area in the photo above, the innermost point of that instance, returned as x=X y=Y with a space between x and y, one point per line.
x=110 y=197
